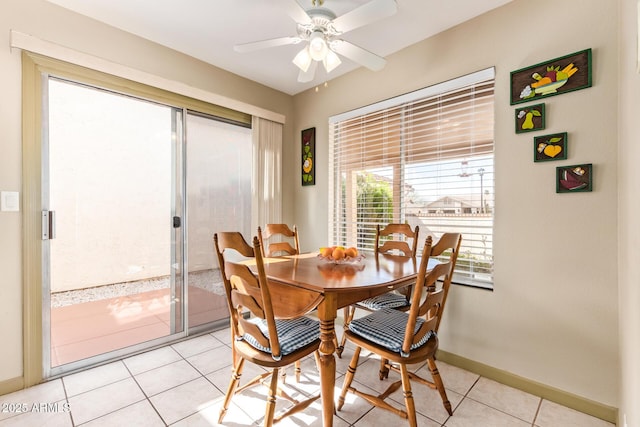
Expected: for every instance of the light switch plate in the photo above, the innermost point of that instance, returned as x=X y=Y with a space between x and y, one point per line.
x=9 y=201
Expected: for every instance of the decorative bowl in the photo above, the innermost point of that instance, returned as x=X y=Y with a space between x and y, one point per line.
x=345 y=260
x=550 y=87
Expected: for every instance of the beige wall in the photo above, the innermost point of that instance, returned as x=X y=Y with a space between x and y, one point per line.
x=629 y=212
x=548 y=319
x=52 y=23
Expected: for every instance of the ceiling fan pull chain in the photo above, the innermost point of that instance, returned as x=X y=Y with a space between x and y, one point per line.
x=317 y=3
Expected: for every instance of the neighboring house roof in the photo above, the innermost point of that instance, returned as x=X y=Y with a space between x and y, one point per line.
x=446 y=201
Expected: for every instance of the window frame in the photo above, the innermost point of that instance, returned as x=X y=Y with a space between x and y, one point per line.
x=342 y=229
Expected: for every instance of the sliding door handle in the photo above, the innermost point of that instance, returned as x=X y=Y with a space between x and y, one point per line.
x=48 y=225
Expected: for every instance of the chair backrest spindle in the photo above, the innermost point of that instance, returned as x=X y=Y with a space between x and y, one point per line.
x=393 y=246
x=271 y=248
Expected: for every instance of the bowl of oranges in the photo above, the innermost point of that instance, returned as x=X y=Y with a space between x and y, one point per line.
x=340 y=254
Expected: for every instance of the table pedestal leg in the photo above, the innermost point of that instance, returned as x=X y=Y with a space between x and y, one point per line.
x=327 y=362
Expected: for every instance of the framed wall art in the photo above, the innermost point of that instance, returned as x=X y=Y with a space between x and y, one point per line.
x=553 y=77
x=574 y=179
x=530 y=118
x=308 y=156
x=550 y=147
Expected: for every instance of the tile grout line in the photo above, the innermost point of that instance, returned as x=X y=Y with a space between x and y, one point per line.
x=464 y=396
x=146 y=396
x=500 y=410
x=132 y=376
x=535 y=417
x=201 y=375
x=66 y=397
x=106 y=385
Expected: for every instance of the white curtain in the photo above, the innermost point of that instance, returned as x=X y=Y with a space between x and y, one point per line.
x=267 y=179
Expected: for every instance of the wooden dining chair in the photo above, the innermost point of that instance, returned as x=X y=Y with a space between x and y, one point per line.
x=280 y=248
x=269 y=244
x=446 y=250
x=403 y=338
x=275 y=334
x=392 y=239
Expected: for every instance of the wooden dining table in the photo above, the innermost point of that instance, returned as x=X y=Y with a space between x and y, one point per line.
x=308 y=282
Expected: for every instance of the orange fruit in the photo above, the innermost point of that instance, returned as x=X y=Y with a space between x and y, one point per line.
x=338 y=254
x=326 y=252
x=351 y=252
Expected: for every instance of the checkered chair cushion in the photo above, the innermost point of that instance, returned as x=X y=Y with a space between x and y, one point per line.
x=386 y=328
x=292 y=334
x=388 y=300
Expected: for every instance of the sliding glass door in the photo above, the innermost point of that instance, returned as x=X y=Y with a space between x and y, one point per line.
x=219 y=165
x=111 y=233
x=111 y=220
x=132 y=193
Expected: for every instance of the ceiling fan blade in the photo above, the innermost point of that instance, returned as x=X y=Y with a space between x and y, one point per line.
x=359 y=55
x=263 y=44
x=365 y=14
x=295 y=11
x=305 y=77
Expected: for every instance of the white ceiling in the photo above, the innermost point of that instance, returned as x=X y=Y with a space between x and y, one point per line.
x=208 y=30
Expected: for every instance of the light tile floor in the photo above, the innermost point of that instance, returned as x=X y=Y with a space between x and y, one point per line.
x=183 y=385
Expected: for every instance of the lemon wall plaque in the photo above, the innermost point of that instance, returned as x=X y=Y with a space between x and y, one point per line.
x=550 y=147
x=308 y=156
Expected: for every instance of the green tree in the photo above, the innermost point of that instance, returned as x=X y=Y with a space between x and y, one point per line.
x=375 y=206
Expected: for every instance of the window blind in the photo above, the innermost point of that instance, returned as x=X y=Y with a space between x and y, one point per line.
x=424 y=158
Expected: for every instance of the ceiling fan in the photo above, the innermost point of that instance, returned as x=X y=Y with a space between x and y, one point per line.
x=320 y=29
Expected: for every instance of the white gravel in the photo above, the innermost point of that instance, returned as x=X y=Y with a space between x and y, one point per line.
x=207 y=279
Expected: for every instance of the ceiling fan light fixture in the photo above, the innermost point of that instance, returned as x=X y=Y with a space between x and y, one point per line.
x=331 y=61
x=320 y=30
x=318 y=46
x=303 y=59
